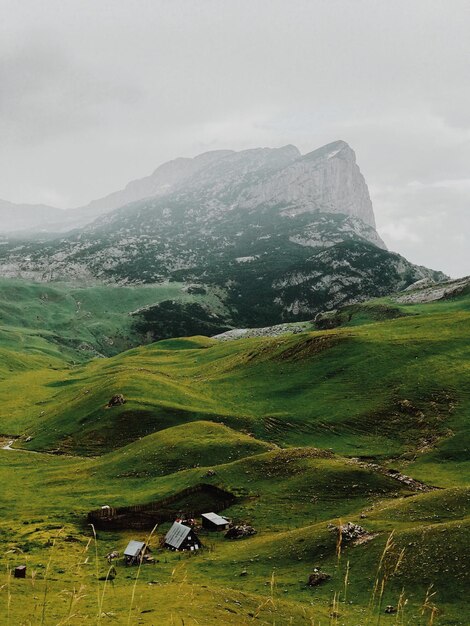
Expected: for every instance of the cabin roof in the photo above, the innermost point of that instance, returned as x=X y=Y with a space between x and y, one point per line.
x=214 y=518
x=134 y=548
x=177 y=534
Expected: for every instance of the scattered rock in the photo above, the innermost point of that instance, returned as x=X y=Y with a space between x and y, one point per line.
x=390 y=609
x=317 y=578
x=116 y=400
x=240 y=532
x=268 y=331
x=210 y=473
x=244 y=573
x=349 y=531
x=412 y=483
x=195 y=289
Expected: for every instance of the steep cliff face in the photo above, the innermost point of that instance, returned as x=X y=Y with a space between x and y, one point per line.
x=326 y=180
x=280 y=181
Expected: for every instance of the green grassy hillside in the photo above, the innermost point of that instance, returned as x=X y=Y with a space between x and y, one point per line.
x=303 y=429
x=81 y=321
x=394 y=389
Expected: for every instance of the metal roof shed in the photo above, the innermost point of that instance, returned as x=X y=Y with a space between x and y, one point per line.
x=135 y=550
x=181 y=537
x=212 y=521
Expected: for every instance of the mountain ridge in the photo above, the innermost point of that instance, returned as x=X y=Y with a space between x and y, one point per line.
x=172 y=176
x=278 y=235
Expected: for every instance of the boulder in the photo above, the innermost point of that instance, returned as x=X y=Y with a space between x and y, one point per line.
x=317 y=577
x=117 y=400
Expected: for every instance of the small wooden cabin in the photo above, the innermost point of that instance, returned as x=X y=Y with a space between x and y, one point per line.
x=20 y=571
x=135 y=552
x=181 y=537
x=212 y=521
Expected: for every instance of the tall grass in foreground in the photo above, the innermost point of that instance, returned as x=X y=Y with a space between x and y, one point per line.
x=134 y=586
x=387 y=567
x=80 y=607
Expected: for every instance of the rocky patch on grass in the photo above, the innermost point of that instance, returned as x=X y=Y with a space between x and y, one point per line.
x=352 y=533
x=317 y=577
x=411 y=483
x=267 y=331
x=240 y=532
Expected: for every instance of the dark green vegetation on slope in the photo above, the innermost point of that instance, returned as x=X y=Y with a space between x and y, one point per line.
x=76 y=321
x=281 y=422
x=251 y=259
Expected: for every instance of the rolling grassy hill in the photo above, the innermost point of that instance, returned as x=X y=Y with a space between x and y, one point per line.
x=302 y=428
x=80 y=322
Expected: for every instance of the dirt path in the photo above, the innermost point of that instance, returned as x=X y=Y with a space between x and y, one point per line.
x=7 y=446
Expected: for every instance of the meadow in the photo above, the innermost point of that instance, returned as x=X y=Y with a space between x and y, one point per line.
x=302 y=428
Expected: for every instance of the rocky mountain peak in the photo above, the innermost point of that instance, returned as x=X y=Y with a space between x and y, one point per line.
x=326 y=180
x=279 y=235
x=335 y=148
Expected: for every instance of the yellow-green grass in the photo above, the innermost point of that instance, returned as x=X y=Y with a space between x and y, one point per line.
x=383 y=390
x=181 y=447
x=78 y=320
x=291 y=498
x=277 y=420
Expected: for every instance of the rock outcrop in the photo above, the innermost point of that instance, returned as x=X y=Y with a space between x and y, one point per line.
x=116 y=400
x=326 y=180
x=427 y=290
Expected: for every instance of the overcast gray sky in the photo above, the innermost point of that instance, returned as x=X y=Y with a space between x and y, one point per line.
x=94 y=93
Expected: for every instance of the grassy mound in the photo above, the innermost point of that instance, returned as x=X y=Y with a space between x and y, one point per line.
x=197 y=444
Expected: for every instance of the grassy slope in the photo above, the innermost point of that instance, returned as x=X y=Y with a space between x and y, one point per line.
x=77 y=320
x=383 y=389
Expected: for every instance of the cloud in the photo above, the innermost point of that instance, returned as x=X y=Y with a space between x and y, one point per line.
x=45 y=92
x=94 y=94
